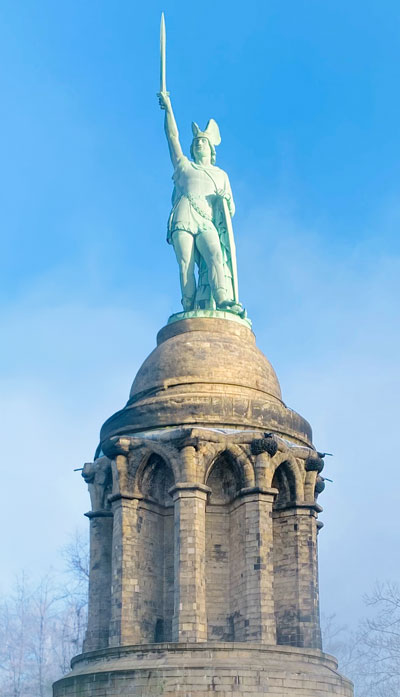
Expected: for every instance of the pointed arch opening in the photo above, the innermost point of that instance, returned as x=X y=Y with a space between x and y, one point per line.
x=285 y=534
x=225 y=534
x=157 y=480
x=156 y=549
x=225 y=479
x=285 y=482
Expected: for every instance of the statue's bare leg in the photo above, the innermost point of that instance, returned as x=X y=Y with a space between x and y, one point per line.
x=183 y=243
x=208 y=244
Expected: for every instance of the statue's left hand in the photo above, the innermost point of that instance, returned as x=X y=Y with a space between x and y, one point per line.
x=223 y=194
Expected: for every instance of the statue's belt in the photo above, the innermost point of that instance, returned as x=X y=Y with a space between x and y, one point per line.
x=197 y=208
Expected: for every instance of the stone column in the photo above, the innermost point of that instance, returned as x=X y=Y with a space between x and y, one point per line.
x=258 y=550
x=296 y=576
x=189 y=621
x=99 y=605
x=126 y=578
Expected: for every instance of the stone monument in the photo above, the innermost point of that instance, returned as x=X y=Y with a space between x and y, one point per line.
x=204 y=520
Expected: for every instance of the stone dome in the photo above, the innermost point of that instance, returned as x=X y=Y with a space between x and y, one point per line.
x=206 y=351
x=207 y=372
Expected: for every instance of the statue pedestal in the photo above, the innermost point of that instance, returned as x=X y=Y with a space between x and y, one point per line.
x=207 y=569
x=216 y=314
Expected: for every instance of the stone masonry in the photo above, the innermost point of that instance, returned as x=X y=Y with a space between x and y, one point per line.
x=204 y=524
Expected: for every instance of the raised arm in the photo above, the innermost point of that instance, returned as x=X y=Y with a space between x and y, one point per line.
x=171 y=129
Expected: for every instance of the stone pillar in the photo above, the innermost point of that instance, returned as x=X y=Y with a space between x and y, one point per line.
x=296 y=576
x=126 y=578
x=258 y=550
x=190 y=620
x=99 y=602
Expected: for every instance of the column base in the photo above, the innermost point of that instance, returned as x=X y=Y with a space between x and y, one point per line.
x=202 y=670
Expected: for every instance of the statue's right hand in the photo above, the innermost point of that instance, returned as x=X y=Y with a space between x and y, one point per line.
x=164 y=100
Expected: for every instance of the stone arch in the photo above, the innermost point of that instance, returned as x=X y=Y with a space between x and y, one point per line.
x=225 y=547
x=240 y=461
x=309 y=486
x=284 y=482
x=283 y=473
x=152 y=452
x=155 y=544
x=156 y=479
x=292 y=550
x=225 y=478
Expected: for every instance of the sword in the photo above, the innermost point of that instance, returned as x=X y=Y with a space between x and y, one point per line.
x=232 y=250
x=163 y=62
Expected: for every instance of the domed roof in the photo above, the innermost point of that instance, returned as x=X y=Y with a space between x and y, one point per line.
x=206 y=371
x=206 y=351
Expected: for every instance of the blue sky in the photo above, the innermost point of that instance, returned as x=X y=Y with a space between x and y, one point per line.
x=306 y=96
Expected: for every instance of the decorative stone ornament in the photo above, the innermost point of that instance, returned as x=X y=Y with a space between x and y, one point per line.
x=267 y=444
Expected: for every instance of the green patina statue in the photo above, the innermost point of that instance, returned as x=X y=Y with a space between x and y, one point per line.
x=199 y=226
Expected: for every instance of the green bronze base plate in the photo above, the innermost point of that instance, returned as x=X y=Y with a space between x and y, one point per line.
x=219 y=314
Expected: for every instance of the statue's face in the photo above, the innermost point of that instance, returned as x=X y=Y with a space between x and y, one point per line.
x=201 y=147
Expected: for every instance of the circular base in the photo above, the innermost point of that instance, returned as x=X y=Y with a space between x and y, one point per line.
x=219 y=314
x=202 y=670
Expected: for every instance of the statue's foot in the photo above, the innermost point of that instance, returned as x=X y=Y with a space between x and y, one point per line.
x=187 y=304
x=232 y=306
x=226 y=304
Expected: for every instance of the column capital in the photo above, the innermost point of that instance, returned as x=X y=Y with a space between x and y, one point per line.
x=127 y=497
x=268 y=493
x=300 y=508
x=99 y=514
x=189 y=489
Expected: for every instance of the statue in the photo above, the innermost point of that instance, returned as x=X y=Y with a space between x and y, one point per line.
x=199 y=225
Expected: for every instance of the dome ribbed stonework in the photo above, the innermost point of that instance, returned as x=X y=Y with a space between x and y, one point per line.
x=207 y=372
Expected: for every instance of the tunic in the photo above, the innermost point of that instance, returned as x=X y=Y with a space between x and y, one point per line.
x=194 y=198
